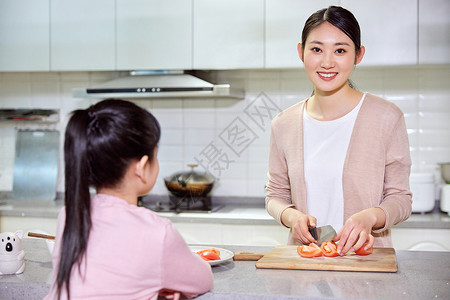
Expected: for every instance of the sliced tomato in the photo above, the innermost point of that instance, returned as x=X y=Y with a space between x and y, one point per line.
x=309 y=251
x=209 y=250
x=209 y=255
x=362 y=251
x=329 y=249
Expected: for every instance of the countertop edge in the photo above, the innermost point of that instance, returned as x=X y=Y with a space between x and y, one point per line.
x=227 y=215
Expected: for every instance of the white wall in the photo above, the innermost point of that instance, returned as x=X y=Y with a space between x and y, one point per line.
x=193 y=128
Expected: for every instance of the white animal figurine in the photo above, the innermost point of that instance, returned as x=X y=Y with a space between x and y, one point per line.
x=11 y=253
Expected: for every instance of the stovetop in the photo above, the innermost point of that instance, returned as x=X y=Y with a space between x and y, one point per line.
x=183 y=204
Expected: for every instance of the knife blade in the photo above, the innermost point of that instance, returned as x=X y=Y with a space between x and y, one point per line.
x=322 y=234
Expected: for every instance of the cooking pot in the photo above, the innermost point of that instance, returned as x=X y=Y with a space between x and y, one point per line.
x=190 y=183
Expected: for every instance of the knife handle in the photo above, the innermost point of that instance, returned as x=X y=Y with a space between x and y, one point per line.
x=313 y=232
x=247 y=256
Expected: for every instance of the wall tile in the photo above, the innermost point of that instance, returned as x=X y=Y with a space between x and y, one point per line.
x=170 y=152
x=435 y=120
x=231 y=187
x=190 y=126
x=199 y=114
x=169 y=119
x=258 y=170
x=256 y=188
x=172 y=137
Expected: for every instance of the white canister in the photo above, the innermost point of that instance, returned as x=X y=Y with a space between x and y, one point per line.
x=422 y=187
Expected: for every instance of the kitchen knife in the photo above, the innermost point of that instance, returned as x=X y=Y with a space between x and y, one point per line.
x=322 y=234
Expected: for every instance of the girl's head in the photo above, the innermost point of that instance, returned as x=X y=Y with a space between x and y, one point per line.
x=108 y=137
x=101 y=143
x=340 y=18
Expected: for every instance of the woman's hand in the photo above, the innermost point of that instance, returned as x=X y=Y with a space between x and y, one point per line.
x=299 y=222
x=358 y=228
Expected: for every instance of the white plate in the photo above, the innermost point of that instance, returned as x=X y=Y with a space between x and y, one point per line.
x=225 y=255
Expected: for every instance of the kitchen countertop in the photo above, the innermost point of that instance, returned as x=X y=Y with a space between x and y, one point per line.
x=235 y=211
x=421 y=275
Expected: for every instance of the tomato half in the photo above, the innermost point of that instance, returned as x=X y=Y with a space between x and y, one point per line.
x=309 y=251
x=209 y=254
x=209 y=250
x=362 y=251
x=329 y=249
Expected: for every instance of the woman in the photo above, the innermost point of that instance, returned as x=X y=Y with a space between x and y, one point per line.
x=340 y=157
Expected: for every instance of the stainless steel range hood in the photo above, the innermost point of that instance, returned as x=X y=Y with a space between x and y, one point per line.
x=158 y=84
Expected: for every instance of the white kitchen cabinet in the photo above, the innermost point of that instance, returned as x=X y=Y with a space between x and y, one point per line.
x=434 y=32
x=388 y=30
x=233 y=234
x=284 y=23
x=154 y=34
x=228 y=34
x=82 y=35
x=24 y=35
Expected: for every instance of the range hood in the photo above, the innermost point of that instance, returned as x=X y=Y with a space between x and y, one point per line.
x=158 y=84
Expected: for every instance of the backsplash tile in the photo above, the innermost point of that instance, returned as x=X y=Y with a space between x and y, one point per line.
x=193 y=128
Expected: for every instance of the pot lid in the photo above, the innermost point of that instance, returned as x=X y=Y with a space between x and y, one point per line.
x=190 y=177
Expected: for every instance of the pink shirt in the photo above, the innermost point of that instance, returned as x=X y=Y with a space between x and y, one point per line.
x=132 y=254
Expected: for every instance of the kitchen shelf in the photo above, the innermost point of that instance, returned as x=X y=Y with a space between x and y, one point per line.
x=30 y=115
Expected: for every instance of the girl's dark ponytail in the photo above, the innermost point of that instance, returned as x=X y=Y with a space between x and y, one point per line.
x=77 y=197
x=100 y=144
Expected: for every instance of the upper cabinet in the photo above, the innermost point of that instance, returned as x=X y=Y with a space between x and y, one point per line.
x=228 y=34
x=388 y=30
x=24 y=35
x=153 y=34
x=82 y=35
x=90 y=35
x=284 y=24
x=434 y=32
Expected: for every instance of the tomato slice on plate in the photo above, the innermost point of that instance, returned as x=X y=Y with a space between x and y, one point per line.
x=362 y=251
x=209 y=250
x=209 y=254
x=309 y=251
x=329 y=249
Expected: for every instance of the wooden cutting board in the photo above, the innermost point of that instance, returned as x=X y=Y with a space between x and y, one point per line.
x=286 y=257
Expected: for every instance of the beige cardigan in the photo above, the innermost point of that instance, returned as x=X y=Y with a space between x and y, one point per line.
x=376 y=168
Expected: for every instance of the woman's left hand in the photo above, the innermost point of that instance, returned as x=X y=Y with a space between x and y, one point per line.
x=356 y=231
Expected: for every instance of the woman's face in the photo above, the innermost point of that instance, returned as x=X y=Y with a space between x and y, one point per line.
x=329 y=56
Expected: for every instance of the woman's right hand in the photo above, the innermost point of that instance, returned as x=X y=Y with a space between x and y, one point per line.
x=299 y=222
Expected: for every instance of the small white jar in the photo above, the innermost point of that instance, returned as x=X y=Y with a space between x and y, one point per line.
x=422 y=187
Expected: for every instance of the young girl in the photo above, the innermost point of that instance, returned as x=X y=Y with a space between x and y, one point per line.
x=106 y=246
x=340 y=157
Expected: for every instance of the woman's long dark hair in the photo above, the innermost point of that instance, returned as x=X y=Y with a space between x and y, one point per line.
x=340 y=18
x=100 y=143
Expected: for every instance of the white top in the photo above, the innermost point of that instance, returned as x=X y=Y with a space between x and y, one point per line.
x=326 y=144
